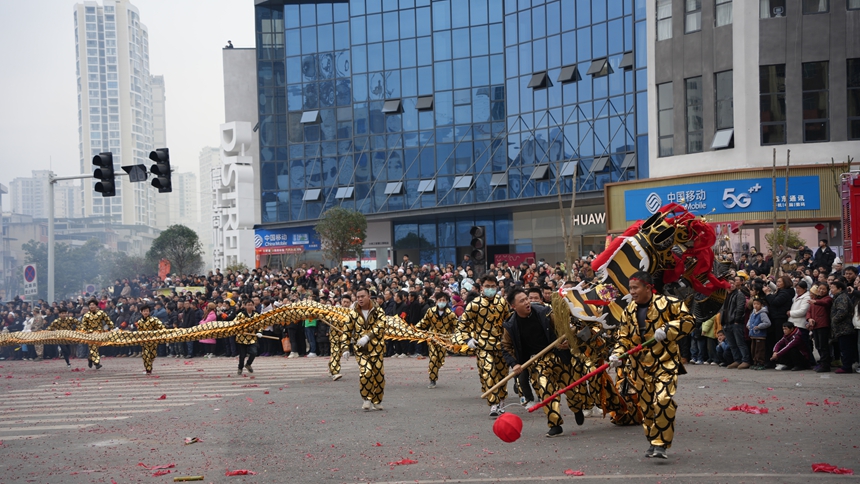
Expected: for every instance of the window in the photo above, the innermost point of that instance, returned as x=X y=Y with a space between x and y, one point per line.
x=462 y=182
x=724 y=13
x=571 y=74
x=311 y=195
x=311 y=117
x=665 y=119
x=854 y=98
x=599 y=164
x=499 y=180
x=570 y=168
x=425 y=103
x=815 y=101
x=772 y=8
x=629 y=161
x=393 y=188
x=694 y=114
x=815 y=6
x=772 y=104
x=600 y=68
x=540 y=80
x=627 y=61
x=392 y=106
x=540 y=172
x=344 y=192
x=724 y=102
x=853 y=4
x=664 y=19
x=425 y=186
x=693 y=17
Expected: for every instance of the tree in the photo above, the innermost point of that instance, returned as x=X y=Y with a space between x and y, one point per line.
x=73 y=266
x=119 y=265
x=179 y=245
x=342 y=233
x=787 y=242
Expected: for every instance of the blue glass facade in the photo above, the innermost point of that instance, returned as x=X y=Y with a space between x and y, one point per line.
x=360 y=74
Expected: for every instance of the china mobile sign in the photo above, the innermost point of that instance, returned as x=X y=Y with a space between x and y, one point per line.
x=731 y=196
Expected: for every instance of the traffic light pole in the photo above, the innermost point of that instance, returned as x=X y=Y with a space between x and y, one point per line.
x=52 y=180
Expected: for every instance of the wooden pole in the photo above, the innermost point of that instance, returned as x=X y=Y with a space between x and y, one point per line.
x=525 y=365
x=263 y=336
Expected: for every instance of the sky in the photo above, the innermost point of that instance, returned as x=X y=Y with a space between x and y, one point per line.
x=38 y=93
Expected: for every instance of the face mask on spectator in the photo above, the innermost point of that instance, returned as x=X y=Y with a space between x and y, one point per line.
x=441 y=304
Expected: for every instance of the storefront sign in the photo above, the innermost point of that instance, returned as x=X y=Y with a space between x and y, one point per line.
x=304 y=237
x=378 y=234
x=731 y=196
x=285 y=249
x=515 y=259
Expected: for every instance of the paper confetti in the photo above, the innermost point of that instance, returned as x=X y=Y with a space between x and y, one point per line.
x=152 y=468
x=403 y=462
x=831 y=469
x=747 y=409
x=162 y=397
x=571 y=472
x=240 y=472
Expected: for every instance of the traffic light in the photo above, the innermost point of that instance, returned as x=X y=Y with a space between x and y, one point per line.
x=161 y=170
x=479 y=243
x=104 y=174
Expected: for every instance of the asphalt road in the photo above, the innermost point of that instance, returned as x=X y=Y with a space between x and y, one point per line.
x=289 y=422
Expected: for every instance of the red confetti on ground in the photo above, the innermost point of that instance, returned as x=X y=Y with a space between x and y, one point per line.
x=571 y=472
x=162 y=466
x=68 y=393
x=831 y=469
x=700 y=414
x=269 y=403
x=377 y=444
x=250 y=385
x=769 y=389
x=811 y=404
x=828 y=402
x=266 y=392
x=747 y=409
x=249 y=400
x=780 y=409
x=725 y=380
x=161 y=473
x=403 y=462
x=240 y=472
x=762 y=401
x=162 y=397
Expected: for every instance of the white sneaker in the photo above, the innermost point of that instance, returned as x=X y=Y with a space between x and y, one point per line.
x=781 y=367
x=367 y=406
x=376 y=406
x=494 y=411
x=312 y=355
x=345 y=355
x=336 y=377
x=596 y=412
x=293 y=354
x=401 y=355
x=586 y=413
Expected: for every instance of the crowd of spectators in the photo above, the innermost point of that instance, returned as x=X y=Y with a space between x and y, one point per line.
x=807 y=318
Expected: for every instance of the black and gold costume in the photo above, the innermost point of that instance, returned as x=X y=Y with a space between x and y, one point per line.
x=442 y=323
x=370 y=356
x=95 y=322
x=246 y=343
x=149 y=349
x=64 y=324
x=653 y=374
x=482 y=321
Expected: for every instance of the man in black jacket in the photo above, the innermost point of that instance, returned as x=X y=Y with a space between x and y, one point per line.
x=190 y=319
x=732 y=319
x=527 y=331
x=824 y=256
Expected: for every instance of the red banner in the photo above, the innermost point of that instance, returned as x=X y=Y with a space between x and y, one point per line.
x=515 y=259
x=281 y=249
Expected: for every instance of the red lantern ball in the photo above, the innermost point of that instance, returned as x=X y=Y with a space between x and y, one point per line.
x=508 y=427
x=123 y=324
x=819 y=227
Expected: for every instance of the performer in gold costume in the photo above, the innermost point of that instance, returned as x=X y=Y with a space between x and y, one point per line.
x=366 y=324
x=64 y=322
x=481 y=323
x=439 y=319
x=95 y=321
x=654 y=371
x=246 y=343
x=528 y=331
x=148 y=323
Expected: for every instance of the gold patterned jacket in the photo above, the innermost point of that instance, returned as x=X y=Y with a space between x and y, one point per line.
x=374 y=327
x=95 y=322
x=245 y=339
x=663 y=312
x=483 y=319
x=438 y=323
x=149 y=324
x=59 y=324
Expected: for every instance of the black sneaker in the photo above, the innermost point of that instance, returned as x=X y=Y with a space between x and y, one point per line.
x=650 y=452
x=98 y=366
x=90 y=362
x=797 y=368
x=822 y=369
x=580 y=417
x=555 y=432
x=248 y=367
x=659 y=452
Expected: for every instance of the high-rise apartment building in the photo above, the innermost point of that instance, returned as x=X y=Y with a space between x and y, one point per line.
x=115 y=104
x=30 y=195
x=210 y=157
x=184 y=201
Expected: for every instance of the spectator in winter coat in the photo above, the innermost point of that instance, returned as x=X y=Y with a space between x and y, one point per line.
x=824 y=256
x=818 y=321
x=732 y=318
x=790 y=352
x=842 y=327
x=779 y=297
x=757 y=325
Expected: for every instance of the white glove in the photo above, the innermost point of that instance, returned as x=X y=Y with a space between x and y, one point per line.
x=660 y=334
x=472 y=343
x=259 y=335
x=614 y=362
x=345 y=355
x=362 y=342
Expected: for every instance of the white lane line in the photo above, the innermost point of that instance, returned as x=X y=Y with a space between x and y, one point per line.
x=134 y=404
x=55 y=420
x=52 y=427
x=54 y=414
x=23 y=437
x=141 y=392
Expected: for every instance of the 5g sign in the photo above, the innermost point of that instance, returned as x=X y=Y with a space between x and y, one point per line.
x=730 y=200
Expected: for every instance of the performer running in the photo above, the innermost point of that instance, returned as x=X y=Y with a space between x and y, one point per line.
x=246 y=343
x=366 y=324
x=482 y=324
x=527 y=332
x=654 y=371
x=339 y=346
x=95 y=321
x=439 y=319
x=148 y=323
x=64 y=323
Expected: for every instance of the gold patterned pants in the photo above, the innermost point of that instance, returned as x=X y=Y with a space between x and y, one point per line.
x=491 y=370
x=148 y=354
x=334 y=360
x=437 y=359
x=94 y=355
x=548 y=375
x=371 y=377
x=658 y=407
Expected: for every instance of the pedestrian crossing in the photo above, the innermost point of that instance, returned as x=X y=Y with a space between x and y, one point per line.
x=48 y=398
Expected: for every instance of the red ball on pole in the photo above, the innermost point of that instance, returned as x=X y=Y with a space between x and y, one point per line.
x=508 y=427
